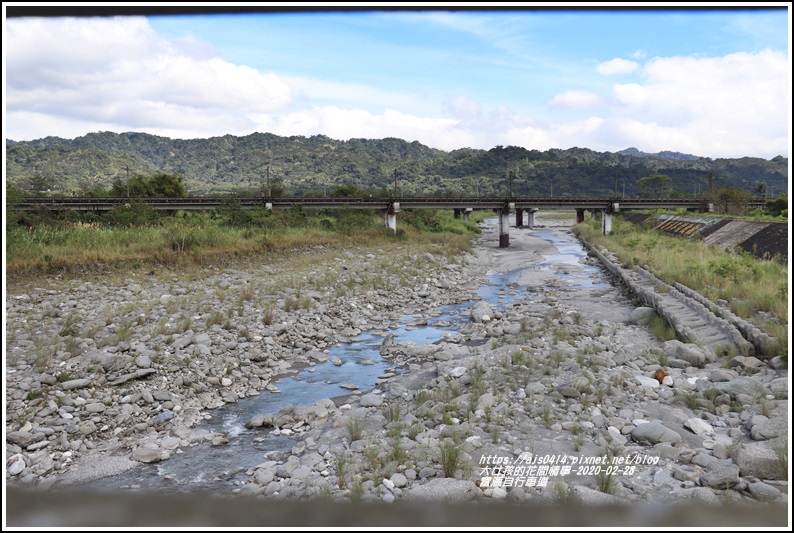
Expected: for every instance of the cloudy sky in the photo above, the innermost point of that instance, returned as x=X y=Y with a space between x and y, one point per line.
x=705 y=82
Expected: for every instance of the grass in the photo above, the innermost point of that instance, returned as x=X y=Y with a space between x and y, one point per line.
x=750 y=284
x=355 y=426
x=449 y=455
x=660 y=329
x=60 y=242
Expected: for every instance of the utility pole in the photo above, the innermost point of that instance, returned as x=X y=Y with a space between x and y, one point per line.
x=395 y=183
x=510 y=176
x=128 y=182
x=616 y=184
x=267 y=174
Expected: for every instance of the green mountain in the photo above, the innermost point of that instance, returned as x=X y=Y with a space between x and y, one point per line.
x=315 y=165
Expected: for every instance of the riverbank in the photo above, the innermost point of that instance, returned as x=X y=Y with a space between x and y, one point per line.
x=559 y=374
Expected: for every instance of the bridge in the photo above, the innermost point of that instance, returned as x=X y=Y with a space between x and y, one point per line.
x=391 y=206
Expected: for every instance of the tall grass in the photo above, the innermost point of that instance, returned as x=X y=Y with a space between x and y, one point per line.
x=195 y=237
x=749 y=284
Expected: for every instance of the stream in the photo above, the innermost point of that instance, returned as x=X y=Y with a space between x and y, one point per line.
x=204 y=468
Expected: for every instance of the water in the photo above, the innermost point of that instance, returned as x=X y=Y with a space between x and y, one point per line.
x=218 y=469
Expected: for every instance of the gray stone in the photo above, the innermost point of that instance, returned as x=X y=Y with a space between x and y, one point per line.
x=447 y=490
x=371 y=400
x=759 y=459
x=399 y=480
x=15 y=464
x=73 y=384
x=743 y=385
x=763 y=492
x=588 y=496
x=480 y=311
x=654 y=433
x=687 y=352
x=641 y=315
x=700 y=495
x=645 y=381
x=147 y=455
x=769 y=429
x=720 y=375
x=23 y=438
x=699 y=426
x=721 y=477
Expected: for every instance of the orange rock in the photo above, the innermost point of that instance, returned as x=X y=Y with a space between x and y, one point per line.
x=661 y=373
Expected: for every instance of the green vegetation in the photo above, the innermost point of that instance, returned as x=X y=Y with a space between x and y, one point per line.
x=749 y=284
x=137 y=235
x=303 y=166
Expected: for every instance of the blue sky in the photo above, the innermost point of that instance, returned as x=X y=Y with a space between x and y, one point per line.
x=711 y=83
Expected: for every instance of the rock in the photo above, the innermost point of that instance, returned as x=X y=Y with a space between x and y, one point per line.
x=645 y=381
x=690 y=353
x=23 y=439
x=399 y=480
x=15 y=464
x=759 y=459
x=769 y=429
x=481 y=312
x=371 y=400
x=447 y=490
x=654 y=433
x=73 y=384
x=588 y=496
x=743 y=385
x=147 y=455
x=720 y=375
x=700 y=495
x=763 y=492
x=641 y=316
x=699 y=426
x=721 y=477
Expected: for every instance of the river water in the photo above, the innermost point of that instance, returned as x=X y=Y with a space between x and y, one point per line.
x=203 y=468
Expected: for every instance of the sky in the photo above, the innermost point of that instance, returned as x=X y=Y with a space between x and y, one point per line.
x=713 y=83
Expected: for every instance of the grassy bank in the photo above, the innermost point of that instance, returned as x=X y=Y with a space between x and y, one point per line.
x=136 y=236
x=757 y=290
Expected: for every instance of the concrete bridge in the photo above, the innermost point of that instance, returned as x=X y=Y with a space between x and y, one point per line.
x=503 y=207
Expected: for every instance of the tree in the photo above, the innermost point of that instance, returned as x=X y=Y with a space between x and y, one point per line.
x=733 y=201
x=760 y=189
x=655 y=186
x=167 y=185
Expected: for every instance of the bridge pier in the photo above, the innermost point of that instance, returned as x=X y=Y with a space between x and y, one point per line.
x=606 y=222
x=519 y=218
x=579 y=216
x=466 y=213
x=456 y=213
x=504 y=224
x=531 y=218
x=391 y=216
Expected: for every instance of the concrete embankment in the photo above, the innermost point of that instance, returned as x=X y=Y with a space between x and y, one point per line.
x=762 y=239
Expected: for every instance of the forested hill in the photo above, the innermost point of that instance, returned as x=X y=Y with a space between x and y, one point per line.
x=313 y=165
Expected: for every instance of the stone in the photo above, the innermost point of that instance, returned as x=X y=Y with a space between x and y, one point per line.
x=699 y=426
x=73 y=384
x=15 y=464
x=641 y=316
x=399 y=480
x=645 y=381
x=447 y=490
x=744 y=385
x=687 y=352
x=371 y=400
x=721 y=477
x=588 y=496
x=763 y=492
x=769 y=429
x=481 y=312
x=23 y=439
x=759 y=459
x=654 y=433
x=147 y=455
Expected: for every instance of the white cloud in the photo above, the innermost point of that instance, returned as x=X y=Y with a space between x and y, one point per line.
x=617 y=66
x=118 y=71
x=462 y=107
x=711 y=106
x=576 y=100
